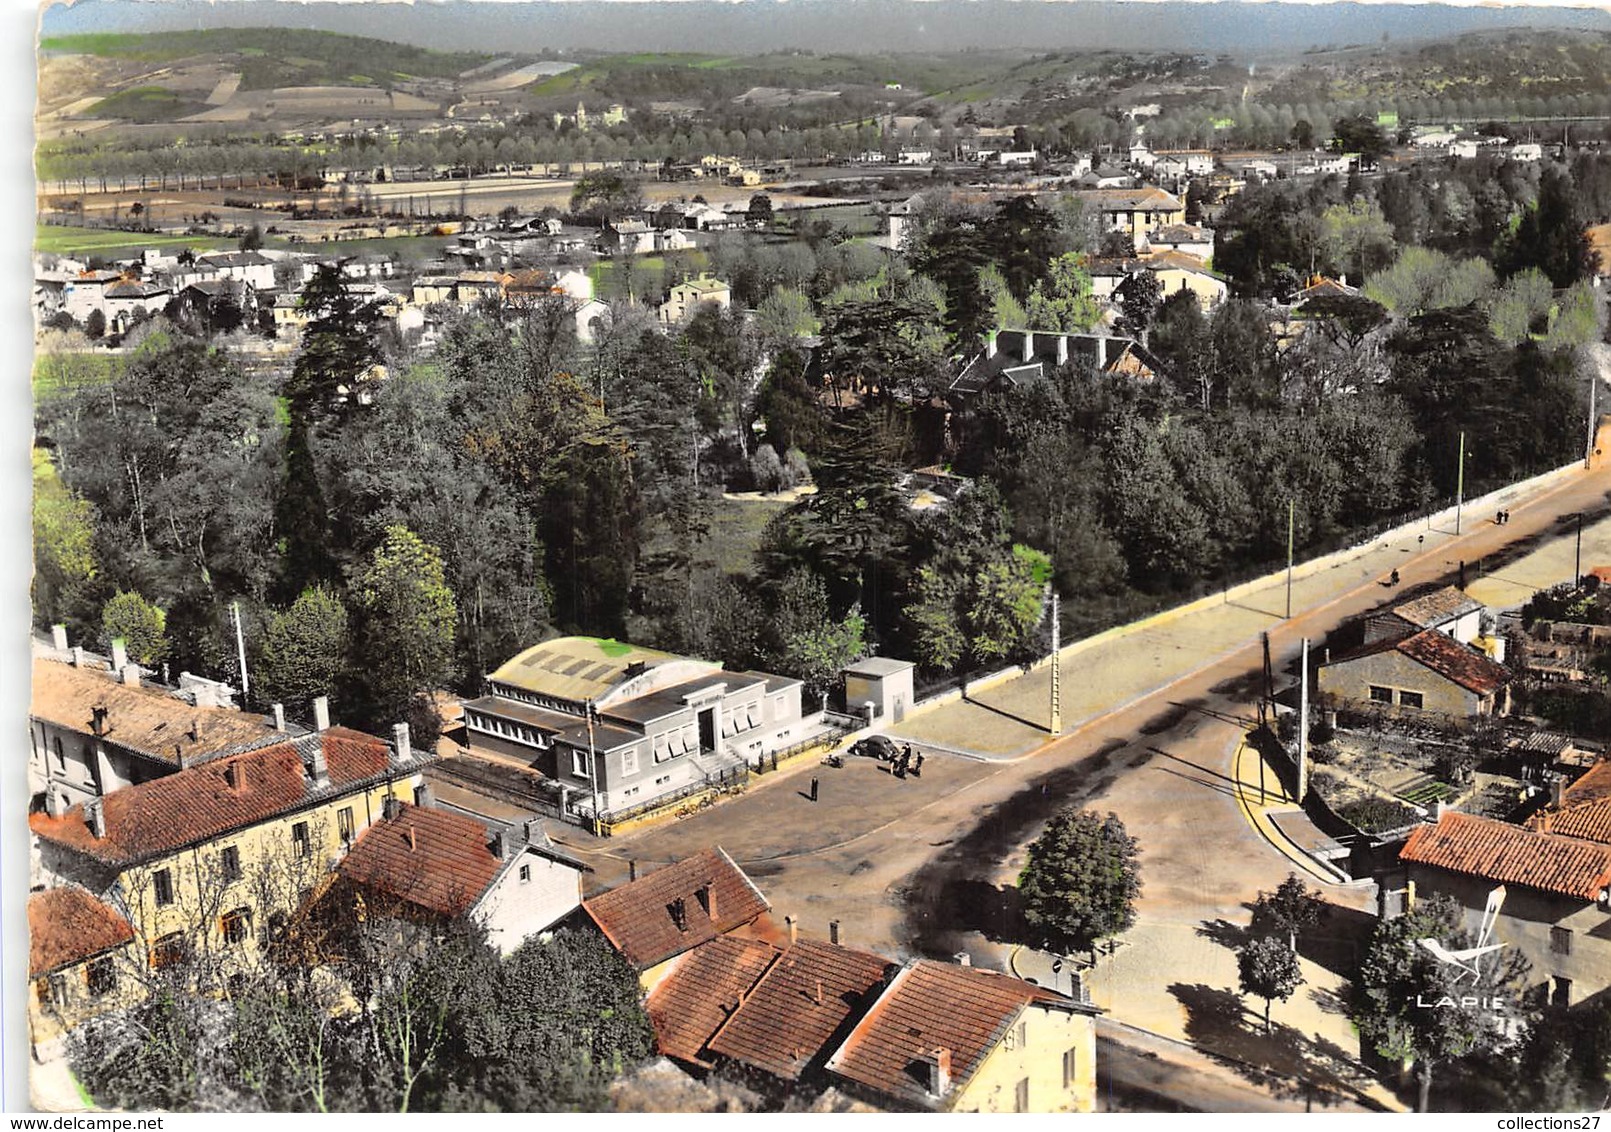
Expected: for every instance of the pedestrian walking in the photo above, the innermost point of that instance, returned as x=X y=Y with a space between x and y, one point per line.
x=813 y=789
x=917 y=765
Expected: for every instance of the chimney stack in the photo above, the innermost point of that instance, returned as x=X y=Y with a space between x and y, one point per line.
x=401 y=742
x=1029 y=346
x=532 y=832
x=98 y=720
x=425 y=794
x=321 y=713
x=939 y=1066
x=632 y=869
x=964 y=959
x=710 y=902
x=232 y=775
x=412 y=843
x=58 y=637
x=1557 y=791
x=391 y=808
x=95 y=816
x=131 y=675
x=120 y=654
x=833 y=931
x=794 y=928
x=319 y=769
x=990 y=345
x=195 y=728
x=500 y=845
x=818 y=997
x=279 y=716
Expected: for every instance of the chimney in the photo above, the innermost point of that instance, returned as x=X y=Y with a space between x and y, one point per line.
x=532 y=832
x=1557 y=791
x=1029 y=346
x=500 y=845
x=632 y=869
x=1062 y=349
x=400 y=743
x=120 y=654
x=95 y=816
x=391 y=808
x=794 y=928
x=318 y=769
x=817 y=998
x=58 y=637
x=1437 y=810
x=710 y=902
x=98 y=720
x=833 y=931
x=964 y=959
x=279 y=716
x=78 y=656
x=990 y=344
x=131 y=675
x=425 y=794
x=195 y=728
x=939 y=1066
x=412 y=843
x=321 y=713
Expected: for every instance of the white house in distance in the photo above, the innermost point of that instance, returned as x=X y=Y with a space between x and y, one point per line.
x=880 y=686
x=511 y=881
x=685 y=296
x=662 y=725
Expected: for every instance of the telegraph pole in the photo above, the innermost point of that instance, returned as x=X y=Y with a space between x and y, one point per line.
x=1303 y=723
x=1057 y=683
x=1460 y=483
x=1588 y=447
x=1577 y=571
x=1291 y=518
x=592 y=767
x=240 y=641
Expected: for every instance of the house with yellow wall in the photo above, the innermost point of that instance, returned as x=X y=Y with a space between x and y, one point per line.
x=78 y=949
x=953 y=1038
x=209 y=864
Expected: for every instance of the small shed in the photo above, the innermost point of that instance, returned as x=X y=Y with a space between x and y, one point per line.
x=883 y=683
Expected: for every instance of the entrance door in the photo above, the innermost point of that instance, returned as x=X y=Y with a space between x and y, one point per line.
x=707 y=729
x=898 y=708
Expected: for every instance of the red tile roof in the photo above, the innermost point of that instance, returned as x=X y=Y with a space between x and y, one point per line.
x=68 y=925
x=798 y=1007
x=933 y=1006
x=1585 y=809
x=434 y=859
x=702 y=990
x=1498 y=851
x=638 y=917
x=199 y=803
x=1460 y=664
x=145 y=720
x=1437 y=608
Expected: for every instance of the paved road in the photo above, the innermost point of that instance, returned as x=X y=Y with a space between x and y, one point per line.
x=927 y=866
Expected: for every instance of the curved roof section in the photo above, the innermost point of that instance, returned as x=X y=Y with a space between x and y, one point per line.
x=581 y=668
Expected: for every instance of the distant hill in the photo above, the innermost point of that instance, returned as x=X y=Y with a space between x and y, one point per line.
x=277 y=57
x=859 y=26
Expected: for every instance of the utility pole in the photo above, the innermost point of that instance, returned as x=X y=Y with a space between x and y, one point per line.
x=1577 y=570
x=1460 y=483
x=1303 y=723
x=240 y=641
x=592 y=767
x=1291 y=527
x=1057 y=682
x=1588 y=447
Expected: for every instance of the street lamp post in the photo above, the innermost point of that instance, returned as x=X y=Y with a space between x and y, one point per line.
x=1460 y=483
x=1291 y=518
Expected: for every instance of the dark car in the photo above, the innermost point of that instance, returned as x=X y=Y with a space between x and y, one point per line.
x=876 y=747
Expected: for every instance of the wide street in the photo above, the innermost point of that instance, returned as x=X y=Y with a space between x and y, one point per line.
x=1154 y=717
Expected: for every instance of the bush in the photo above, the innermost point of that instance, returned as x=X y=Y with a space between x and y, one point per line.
x=1377 y=815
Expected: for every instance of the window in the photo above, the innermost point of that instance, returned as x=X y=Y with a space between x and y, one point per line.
x=230 y=863
x=344 y=823
x=525 y=873
x=1071 y=1062
x=299 y=839
x=61 y=756
x=1561 y=993
x=629 y=762
x=1410 y=699
x=1560 y=941
x=237 y=925
x=1381 y=695
x=1023 y=1035
x=1021 y=1097
x=579 y=762
x=51 y=991
x=101 y=976
x=169 y=951
x=162 y=885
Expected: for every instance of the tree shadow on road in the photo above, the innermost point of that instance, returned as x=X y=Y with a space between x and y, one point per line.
x=1223 y=932
x=1286 y=1062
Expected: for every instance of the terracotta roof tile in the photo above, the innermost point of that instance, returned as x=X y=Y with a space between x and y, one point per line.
x=702 y=990
x=1498 y=851
x=437 y=860
x=802 y=1002
x=146 y=720
x=1437 y=608
x=1585 y=810
x=934 y=1006
x=202 y=802
x=68 y=925
x=1455 y=662
x=638 y=918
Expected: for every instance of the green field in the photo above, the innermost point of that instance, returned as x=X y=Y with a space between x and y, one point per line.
x=64 y=239
x=146 y=104
x=735 y=532
x=55 y=372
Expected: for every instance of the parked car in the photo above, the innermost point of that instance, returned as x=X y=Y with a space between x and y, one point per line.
x=876 y=747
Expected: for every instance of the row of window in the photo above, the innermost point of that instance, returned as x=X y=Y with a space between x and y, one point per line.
x=229 y=858
x=516 y=731
x=1381 y=695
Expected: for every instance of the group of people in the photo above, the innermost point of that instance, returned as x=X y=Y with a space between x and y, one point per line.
x=909 y=761
x=1502 y=518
